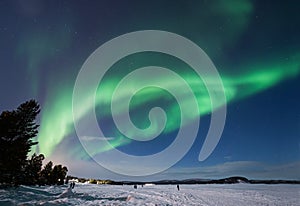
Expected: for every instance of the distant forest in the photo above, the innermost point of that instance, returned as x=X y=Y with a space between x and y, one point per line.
x=18 y=129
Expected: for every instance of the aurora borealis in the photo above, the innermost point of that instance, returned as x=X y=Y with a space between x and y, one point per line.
x=236 y=87
x=253 y=44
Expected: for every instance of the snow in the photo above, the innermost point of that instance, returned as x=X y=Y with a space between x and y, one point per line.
x=88 y=194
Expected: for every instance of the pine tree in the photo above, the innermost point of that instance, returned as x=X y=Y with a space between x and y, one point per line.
x=33 y=169
x=55 y=175
x=45 y=177
x=17 y=130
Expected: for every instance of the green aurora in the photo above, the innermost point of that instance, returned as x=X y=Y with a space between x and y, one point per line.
x=228 y=21
x=57 y=118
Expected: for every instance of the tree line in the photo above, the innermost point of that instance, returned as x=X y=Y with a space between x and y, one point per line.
x=18 y=128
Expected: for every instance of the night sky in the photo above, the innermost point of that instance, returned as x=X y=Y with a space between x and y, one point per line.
x=254 y=45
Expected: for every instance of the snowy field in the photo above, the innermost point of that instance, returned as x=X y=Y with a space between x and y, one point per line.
x=87 y=194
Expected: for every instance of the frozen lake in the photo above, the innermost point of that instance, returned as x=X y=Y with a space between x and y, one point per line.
x=88 y=194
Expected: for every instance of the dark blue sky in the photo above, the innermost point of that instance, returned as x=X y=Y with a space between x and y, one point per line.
x=253 y=44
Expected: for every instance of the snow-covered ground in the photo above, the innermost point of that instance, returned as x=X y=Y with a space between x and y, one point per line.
x=87 y=194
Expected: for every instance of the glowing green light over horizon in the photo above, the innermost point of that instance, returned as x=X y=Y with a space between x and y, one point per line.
x=228 y=20
x=57 y=119
x=40 y=47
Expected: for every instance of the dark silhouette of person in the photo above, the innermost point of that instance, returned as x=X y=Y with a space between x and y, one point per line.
x=178 y=187
x=72 y=185
x=135 y=186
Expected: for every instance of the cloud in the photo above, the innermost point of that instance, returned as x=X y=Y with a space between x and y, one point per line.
x=89 y=138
